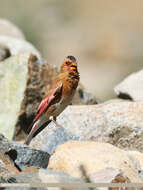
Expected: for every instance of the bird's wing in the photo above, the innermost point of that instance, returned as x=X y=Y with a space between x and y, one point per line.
x=52 y=98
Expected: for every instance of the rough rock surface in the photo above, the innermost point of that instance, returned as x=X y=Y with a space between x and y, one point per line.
x=40 y=75
x=13 y=76
x=94 y=157
x=9 y=29
x=137 y=158
x=46 y=176
x=131 y=87
x=23 y=156
x=5 y=171
x=117 y=123
x=109 y=175
x=59 y=177
x=2 y=180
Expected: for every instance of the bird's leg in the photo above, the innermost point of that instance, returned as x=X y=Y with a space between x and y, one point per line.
x=53 y=118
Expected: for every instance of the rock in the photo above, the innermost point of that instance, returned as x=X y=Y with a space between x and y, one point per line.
x=94 y=157
x=116 y=100
x=9 y=29
x=52 y=136
x=5 y=171
x=30 y=177
x=23 y=83
x=18 y=46
x=2 y=180
x=49 y=176
x=109 y=175
x=8 y=163
x=40 y=76
x=23 y=156
x=13 y=77
x=117 y=123
x=46 y=176
x=82 y=97
x=31 y=169
x=137 y=158
x=131 y=87
x=4 y=53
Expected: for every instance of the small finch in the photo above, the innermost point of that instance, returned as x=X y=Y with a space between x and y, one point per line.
x=58 y=97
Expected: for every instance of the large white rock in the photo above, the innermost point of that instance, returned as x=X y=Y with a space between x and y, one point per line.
x=119 y=123
x=13 y=77
x=18 y=46
x=131 y=87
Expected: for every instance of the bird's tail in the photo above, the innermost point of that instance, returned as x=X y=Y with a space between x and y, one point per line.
x=36 y=129
x=29 y=138
x=31 y=134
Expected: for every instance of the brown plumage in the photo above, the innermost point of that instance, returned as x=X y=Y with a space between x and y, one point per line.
x=58 y=97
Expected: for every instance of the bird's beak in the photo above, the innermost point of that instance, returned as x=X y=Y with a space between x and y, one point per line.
x=74 y=67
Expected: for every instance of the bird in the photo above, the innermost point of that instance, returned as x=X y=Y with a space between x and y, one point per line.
x=59 y=95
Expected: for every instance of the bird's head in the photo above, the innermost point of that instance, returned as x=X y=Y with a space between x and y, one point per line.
x=69 y=64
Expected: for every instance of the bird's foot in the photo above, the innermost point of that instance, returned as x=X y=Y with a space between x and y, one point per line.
x=54 y=120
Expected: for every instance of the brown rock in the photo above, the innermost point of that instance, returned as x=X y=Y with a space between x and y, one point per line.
x=6 y=167
x=31 y=169
x=120 y=178
x=8 y=163
x=40 y=76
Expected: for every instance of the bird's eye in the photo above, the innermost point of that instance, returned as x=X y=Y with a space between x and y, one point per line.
x=66 y=63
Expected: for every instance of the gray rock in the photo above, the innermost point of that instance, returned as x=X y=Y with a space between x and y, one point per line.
x=30 y=177
x=49 y=176
x=52 y=137
x=131 y=87
x=2 y=180
x=9 y=29
x=13 y=78
x=117 y=123
x=25 y=177
x=46 y=176
x=23 y=156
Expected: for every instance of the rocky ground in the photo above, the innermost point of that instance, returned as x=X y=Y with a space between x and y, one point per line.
x=95 y=141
